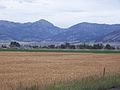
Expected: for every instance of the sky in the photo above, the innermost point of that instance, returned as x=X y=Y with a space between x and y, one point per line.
x=62 y=13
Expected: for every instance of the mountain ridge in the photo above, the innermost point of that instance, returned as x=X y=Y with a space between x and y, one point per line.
x=43 y=30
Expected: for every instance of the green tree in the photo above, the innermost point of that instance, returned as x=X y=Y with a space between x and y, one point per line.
x=51 y=46
x=62 y=46
x=98 y=46
x=67 y=45
x=109 y=47
x=14 y=44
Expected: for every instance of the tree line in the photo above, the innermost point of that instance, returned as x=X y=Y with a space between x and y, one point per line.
x=82 y=46
x=63 y=46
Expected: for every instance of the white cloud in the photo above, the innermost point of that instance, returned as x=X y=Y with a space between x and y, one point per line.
x=61 y=12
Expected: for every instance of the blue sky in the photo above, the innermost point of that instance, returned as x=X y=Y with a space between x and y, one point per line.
x=63 y=13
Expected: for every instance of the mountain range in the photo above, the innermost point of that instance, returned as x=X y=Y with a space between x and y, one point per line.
x=43 y=30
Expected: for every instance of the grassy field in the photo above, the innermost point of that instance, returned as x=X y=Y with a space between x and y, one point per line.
x=89 y=83
x=50 y=68
x=108 y=82
x=60 y=50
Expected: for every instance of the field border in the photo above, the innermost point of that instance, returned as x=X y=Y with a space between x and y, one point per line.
x=62 y=50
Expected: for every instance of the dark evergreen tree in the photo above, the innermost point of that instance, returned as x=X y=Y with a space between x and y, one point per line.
x=14 y=44
x=51 y=46
x=3 y=46
x=62 y=46
x=109 y=47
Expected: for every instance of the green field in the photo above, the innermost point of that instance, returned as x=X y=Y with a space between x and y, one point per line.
x=60 y=50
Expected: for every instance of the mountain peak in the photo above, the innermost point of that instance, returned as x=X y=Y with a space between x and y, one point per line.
x=44 y=22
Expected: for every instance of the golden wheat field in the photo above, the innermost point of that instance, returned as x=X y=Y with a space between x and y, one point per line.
x=50 y=67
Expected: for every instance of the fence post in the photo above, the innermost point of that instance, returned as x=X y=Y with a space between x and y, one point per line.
x=104 y=70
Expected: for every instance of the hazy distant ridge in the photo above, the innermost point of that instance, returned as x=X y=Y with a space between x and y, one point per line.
x=43 y=30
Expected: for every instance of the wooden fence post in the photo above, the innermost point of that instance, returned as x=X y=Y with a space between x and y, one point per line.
x=104 y=71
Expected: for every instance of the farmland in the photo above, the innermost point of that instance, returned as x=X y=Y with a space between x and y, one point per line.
x=46 y=68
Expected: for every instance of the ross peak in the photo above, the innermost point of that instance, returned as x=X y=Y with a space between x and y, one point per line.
x=44 y=22
x=85 y=23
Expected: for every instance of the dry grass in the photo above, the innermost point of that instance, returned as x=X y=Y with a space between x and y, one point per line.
x=45 y=68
